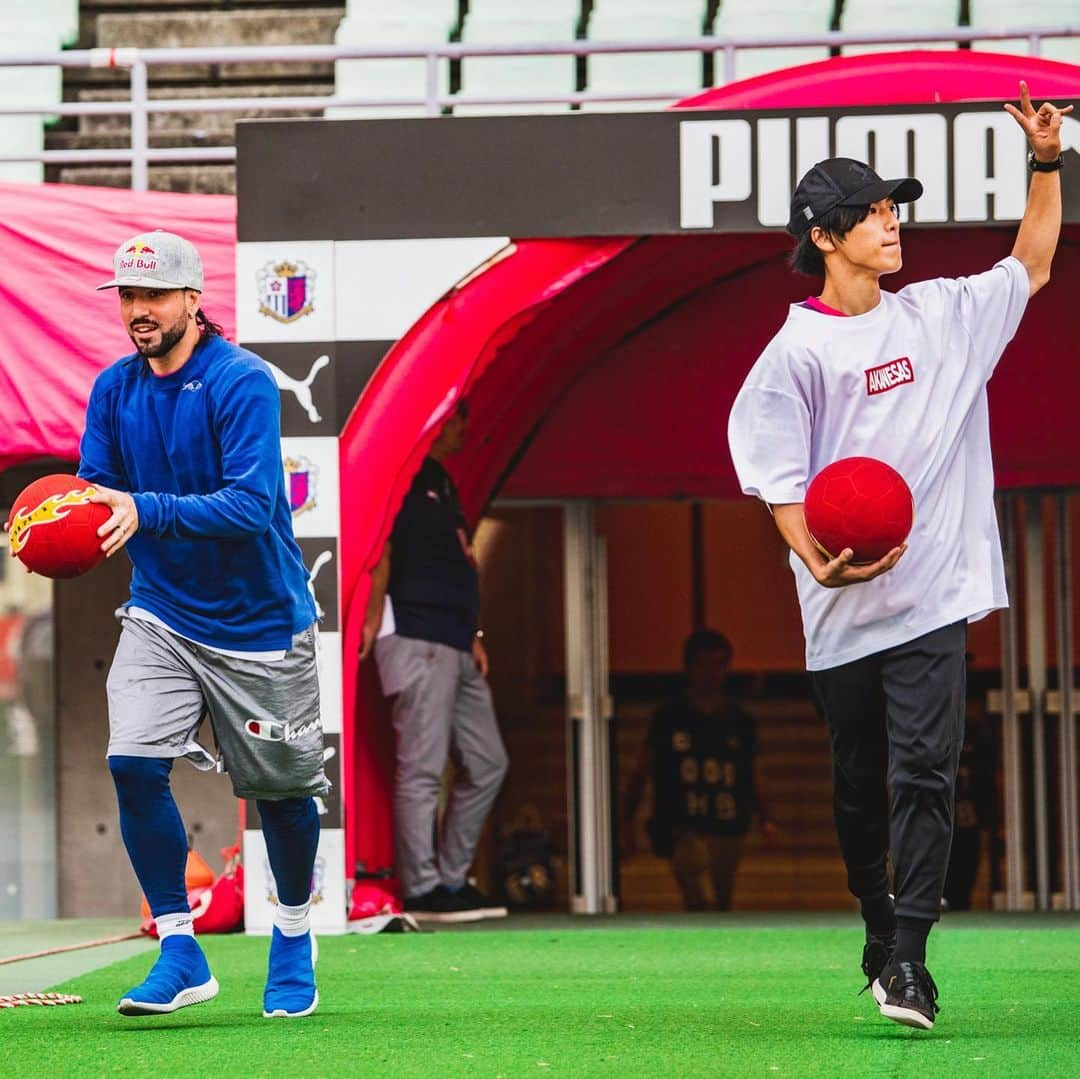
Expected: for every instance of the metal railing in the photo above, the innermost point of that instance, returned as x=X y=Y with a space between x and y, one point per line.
x=140 y=106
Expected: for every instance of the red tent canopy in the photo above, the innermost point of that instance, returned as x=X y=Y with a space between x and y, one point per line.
x=58 y=242
x=606 y=368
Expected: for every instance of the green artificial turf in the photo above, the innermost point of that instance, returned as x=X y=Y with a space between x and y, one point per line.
x=777 y=1000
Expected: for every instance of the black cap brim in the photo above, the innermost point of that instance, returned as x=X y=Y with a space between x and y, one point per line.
x=906 y=190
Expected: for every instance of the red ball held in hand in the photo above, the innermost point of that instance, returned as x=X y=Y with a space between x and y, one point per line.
x=53 y=527
x=861 y=503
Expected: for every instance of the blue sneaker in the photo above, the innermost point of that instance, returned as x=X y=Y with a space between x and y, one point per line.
x=290 y=984
x=178 y=979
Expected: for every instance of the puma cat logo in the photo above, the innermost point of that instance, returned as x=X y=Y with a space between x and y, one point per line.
x=301 y=390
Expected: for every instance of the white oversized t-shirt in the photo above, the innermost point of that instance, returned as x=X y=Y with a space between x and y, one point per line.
x=905 y=383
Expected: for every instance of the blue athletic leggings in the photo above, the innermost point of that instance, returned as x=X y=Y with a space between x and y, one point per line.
x=156 y=841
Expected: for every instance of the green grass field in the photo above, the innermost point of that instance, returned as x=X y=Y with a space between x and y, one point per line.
x=770 y=996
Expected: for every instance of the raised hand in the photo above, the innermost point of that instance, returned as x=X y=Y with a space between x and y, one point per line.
x=1042 y=127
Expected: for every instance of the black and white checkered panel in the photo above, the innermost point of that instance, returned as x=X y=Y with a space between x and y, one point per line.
x=299 y=347
x=323 y=315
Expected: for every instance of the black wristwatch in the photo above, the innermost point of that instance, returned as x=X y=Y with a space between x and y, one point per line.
x=1035 y=165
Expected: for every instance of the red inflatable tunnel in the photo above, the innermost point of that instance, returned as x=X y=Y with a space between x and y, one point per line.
x=606 y=368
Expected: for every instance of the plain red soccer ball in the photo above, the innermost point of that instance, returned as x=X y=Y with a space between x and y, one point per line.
x=861 y=503
x=53 y=527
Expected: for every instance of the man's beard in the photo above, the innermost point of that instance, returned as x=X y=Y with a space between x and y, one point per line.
x=169 y=339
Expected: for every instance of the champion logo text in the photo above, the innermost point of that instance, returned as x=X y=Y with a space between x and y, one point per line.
x=887 y=376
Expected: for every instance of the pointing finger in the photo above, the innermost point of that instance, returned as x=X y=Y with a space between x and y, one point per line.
x=1025 y=99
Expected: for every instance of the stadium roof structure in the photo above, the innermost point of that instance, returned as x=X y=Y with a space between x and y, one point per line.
x=606 y=367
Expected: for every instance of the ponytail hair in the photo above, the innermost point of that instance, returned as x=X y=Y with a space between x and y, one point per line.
x=207 y=328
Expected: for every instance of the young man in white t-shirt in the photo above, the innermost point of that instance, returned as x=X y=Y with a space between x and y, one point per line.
x=885 y=642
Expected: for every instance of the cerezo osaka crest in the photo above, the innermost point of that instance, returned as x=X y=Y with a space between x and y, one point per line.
x=286 y=290
x=301 y=477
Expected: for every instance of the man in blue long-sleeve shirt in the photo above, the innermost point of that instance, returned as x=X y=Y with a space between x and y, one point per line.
x=182 y=442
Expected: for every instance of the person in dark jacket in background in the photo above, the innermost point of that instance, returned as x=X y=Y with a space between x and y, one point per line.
x=422 y=623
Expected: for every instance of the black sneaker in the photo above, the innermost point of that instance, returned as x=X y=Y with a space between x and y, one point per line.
x=442 y=905
x=876 y=954
x=906 y=993
x=476 y=899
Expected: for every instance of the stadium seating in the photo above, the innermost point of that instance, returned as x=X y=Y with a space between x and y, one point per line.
x=994 y=14
x=182 y=23
x=31 y=26
x=421 y=22
x=46 y=25
x=514 y=9
x=495 y=21
x=745 y=17
x=871 y=16
x=666 y=73
x=60 y=16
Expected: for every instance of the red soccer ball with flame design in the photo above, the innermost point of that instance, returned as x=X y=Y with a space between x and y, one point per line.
x=861 y=503
x=52 y=528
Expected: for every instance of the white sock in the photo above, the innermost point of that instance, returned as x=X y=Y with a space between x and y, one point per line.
x=293 y=921
x=175 y=925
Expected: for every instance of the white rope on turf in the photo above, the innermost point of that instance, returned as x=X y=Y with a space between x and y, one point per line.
x=69 y=948
x=52 y=1000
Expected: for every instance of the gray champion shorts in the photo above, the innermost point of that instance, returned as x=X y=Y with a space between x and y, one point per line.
x=264 y=715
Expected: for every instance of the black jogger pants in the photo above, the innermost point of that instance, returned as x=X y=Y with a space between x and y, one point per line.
x=896 y=724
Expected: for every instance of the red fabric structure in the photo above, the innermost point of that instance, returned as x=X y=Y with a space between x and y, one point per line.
x=895 y=78
x=58 y=242
x=606 y=368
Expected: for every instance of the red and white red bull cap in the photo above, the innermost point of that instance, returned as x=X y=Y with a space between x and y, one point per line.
x=156 y=260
